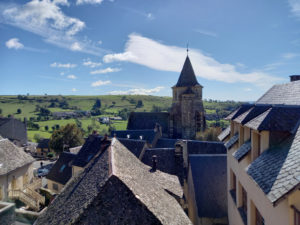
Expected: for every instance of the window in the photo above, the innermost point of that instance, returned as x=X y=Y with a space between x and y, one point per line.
x=233 y=186
x=244 y=200
x=296 y=216
x=55 y=187
x=259 y=220
x=62 y=168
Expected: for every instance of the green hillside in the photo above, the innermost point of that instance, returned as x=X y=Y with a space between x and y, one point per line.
x=38 y=110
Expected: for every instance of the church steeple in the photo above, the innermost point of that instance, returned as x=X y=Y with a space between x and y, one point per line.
x=187 y=76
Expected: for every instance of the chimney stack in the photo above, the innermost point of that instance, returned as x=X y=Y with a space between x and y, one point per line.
x=294 y=78
x=154 y=163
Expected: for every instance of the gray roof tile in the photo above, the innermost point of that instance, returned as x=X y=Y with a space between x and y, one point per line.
x=209 y=179
x=224 y=134
x=282 y=94
x=12 y=157
x=277 y=170
x=232 y=141
x=242 y=151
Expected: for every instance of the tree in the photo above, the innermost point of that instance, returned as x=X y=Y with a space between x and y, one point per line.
x=0 y=111
x=19 y=111
x=46 y=128
x=97 y=104
x=66 y=137
x=57 y=126
x=139 y=104
x=37 y=137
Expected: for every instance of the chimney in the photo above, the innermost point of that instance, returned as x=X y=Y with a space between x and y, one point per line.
x=141 y=137
x=294 y=78
x=154 y=163
x=128 y=136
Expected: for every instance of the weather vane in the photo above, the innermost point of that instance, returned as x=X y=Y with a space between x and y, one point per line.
x=187 y=48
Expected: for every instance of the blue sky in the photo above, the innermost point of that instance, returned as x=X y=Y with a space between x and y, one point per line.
x=238 y=49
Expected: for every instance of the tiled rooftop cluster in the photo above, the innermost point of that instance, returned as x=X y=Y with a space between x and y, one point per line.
x=277 y=170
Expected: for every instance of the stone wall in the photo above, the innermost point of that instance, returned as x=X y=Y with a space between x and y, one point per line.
x=7 y=213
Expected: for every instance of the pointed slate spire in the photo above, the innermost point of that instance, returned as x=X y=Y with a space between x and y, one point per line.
x=187 y=76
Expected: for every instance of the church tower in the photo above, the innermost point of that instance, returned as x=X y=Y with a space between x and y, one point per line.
x=187 y=112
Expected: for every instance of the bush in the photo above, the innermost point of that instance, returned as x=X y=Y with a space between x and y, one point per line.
x=210 y=134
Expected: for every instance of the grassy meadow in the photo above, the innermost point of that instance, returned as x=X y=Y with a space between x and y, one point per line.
x=111 y=105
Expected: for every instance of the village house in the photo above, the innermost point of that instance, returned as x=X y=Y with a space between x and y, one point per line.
x=43 y=148
x=14 y=130
x=263 y=159
x=16 y=175
x=116 y=188
x=61 y=172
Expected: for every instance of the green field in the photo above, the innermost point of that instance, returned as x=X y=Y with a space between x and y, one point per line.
x=111 y=105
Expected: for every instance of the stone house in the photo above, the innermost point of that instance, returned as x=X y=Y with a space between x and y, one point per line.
x=61 y=172
x=14 y=130
x=16 y=176
x=263 y=159
x=42 y=149
x=116 y=188
x=15 y=168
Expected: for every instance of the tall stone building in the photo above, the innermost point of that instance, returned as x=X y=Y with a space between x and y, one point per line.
x=187 y=116
x=187 y=113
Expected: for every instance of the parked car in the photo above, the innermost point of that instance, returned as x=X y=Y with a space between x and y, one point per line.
x=41 y=172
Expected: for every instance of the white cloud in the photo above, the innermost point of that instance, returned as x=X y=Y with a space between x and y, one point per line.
x=62 y=73
x=106 y=70
x=247 y=89
x=100 y=83
x=72 y=76
x=80 y=2
x=60 y=65
x=76 y=46
x=89 y=63
x=137 y=91
x=126 y=56
x=289 y=55
x=74 y=89
x=206 y=32
x=155 y=55
x=14 y=43
x=99 y=42
x=295 y=7
x=45 y=18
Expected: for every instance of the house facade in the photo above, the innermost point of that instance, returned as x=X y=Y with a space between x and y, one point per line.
x=263 y=159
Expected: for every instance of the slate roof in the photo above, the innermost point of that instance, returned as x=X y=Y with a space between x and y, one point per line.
x=251 y=113
x=231 y=141
x=224 y=134
x=43 y=143
x=242 y=151
x=12 y=157
x=165 y=159
x=13 y=129
x=90 y=148
x=281 y=118
x=205 y=147
x=61 y=171
x=148 y=135
x=165 y=143
x=240 y=110
x=116 y=188
x=187 y=76
x=282 y=94
x=135 y=146
x=148 y=120
x=277 y=170
x=210 y=183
